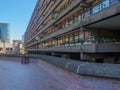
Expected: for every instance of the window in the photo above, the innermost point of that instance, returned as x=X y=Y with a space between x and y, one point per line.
x=96 y=9
x=67 y=23
x=75 y=19
x=113 y=1
x=71 y=22
x=81 y=35
x=66 y=40
x=79 y=17
x=105 y=4
x=87 y=13
x=59 y=41
x=71 y=39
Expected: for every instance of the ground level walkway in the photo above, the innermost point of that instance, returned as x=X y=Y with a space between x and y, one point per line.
x=39 y=75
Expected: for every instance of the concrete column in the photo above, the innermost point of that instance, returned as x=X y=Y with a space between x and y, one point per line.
x=84 y=56
x=81 y=56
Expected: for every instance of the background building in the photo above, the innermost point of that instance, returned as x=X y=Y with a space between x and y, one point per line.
x=4 y=32
x=18 y=46
x=6 y=48
x=79 y=29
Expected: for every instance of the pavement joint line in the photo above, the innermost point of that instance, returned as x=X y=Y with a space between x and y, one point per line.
x=80 y=66
x=67 y=65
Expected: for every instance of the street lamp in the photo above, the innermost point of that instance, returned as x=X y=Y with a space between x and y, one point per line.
x=37 y=39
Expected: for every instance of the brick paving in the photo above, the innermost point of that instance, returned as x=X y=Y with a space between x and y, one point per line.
x=39 y=75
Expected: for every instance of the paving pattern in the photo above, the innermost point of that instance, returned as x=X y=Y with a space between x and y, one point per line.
x=39 y=75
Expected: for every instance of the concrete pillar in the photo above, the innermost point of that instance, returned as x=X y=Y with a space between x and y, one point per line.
x=84 y=56
x=81 y=56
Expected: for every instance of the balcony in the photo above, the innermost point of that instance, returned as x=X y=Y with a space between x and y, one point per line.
x=102 y=19
x=108 y=47
x=62 y=31
x=85 y=48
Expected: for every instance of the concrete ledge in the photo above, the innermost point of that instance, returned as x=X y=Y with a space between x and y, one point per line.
x=88 y=68
x=106 y=70
x=79 y=67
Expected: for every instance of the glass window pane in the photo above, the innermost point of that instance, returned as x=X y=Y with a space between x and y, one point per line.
x=105 y=3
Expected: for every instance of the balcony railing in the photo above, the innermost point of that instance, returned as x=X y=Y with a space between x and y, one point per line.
x=52 y=8
x=59 y=32
x=108 y=47
x=101 y=14
x=62 y=31
x=88 y=48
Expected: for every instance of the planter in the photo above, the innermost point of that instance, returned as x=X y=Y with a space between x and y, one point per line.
x=87 y=42
x=78 y=44
x=66 y=44
x=72 y=44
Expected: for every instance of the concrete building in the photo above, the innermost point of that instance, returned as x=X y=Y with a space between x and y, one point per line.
x=80 y=29
x=18 y=46
x=4 y=32
x=5 y=47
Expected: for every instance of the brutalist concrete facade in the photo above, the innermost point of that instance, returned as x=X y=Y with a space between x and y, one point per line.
x=82 y=29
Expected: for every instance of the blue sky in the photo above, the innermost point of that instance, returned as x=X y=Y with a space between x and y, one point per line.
x=18 y=14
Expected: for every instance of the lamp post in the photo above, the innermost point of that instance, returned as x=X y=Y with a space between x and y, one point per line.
x=37 y=39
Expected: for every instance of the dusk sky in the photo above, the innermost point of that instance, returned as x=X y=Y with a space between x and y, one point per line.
x=18 y=14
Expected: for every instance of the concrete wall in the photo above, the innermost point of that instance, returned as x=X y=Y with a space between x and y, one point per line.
x=79 y=67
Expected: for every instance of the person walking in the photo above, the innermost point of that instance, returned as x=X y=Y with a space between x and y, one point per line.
x=26 y=59
x=22 y=59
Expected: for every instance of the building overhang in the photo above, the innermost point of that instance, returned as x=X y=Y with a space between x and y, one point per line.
x=112 y=23
x=85 y=48
x=109 y=18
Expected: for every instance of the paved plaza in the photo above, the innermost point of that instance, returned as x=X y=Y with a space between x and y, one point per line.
x=39 y=75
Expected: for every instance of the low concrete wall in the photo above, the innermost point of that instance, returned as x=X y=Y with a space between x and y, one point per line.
x=79 y=67
x=88 y=68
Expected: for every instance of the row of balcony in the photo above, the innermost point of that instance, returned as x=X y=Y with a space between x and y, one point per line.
x=77 y=24
x=40 y=6
x=48 y=13
x=65 y=11
x=101 y=14
x=75 y=40
x=35 y=17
